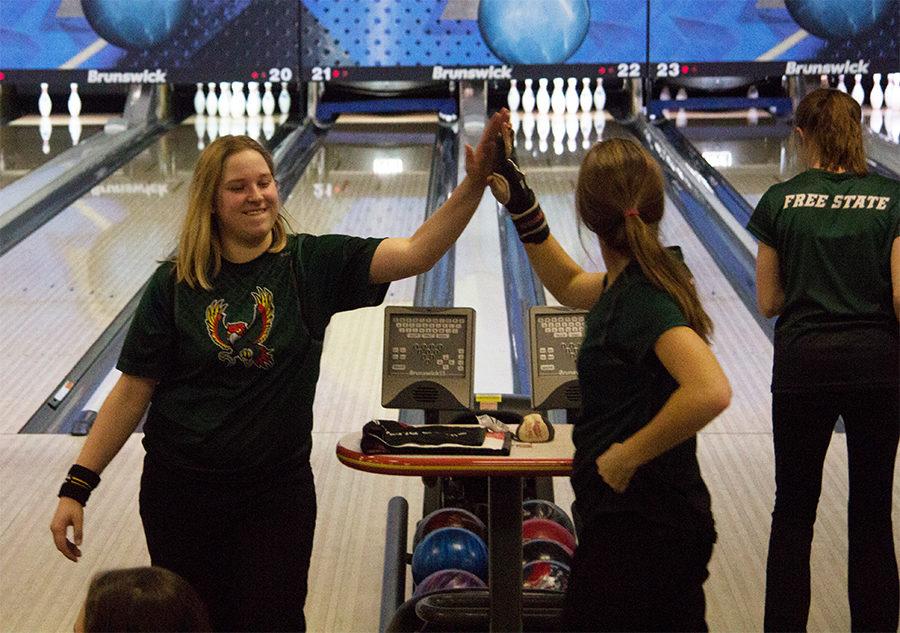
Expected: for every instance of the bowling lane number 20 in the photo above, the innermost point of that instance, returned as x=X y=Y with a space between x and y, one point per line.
x=628 y=70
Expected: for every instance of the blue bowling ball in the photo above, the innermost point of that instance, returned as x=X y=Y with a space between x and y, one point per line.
x=533 y=31
x=450 y=548
x=836 y=19
x=135 y=24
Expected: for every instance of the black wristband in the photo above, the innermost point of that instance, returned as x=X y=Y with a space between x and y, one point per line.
x=79 y=484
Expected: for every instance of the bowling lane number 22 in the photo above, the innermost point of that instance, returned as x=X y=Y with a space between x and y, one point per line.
x=628 y=70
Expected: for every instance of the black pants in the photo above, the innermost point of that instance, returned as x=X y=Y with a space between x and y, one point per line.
x=244 y=548
x=802 y=429
x=633 y=575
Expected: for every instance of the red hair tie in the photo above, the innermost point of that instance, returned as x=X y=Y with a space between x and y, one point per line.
x=631 y=211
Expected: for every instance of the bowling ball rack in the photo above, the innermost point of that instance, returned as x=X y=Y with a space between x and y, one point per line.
x=455 y=609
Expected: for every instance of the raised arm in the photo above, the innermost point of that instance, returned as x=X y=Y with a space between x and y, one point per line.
x=400 y=257
x=769 y=289
x=703 y=393
x=564 y=278
x=118 y=417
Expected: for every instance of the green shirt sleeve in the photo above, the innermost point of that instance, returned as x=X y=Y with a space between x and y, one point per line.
x=150 y=340
x=334 y=277
x=762 y=222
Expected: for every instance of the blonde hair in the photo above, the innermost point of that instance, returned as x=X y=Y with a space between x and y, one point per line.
x=620 y=197
x=199 y=256
x=832 y=131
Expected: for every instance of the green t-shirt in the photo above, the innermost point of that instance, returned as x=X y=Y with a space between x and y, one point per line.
x=623 y=385
x=237 y=366
x=833 y=234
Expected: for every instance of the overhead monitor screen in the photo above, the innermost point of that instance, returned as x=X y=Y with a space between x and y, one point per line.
x=470 y=39
x=773 y=37
x=148 y=41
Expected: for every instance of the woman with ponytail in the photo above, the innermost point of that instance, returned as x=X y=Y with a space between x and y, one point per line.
x=649 y=383
x=829 y=267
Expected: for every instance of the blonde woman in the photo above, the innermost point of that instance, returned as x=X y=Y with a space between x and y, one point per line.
x=224 y=350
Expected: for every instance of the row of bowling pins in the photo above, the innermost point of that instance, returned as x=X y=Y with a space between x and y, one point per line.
x=878 y=96
x=45 y=104
x=561 y=100
x=214 y=127
x=889 y=120
x=565 y=129
x=232 y=101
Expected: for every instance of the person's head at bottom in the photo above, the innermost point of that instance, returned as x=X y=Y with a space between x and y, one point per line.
x=141 y=599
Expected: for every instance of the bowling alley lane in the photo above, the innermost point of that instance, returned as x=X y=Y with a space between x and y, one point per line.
x=66 y=282
x=740 y=345
x=370 y=180
x=29 y=142
x=749 y=148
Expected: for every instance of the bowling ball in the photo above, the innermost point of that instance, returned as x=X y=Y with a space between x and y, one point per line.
x=449 y=517
x=450 y=548
x=135 y=24
x=836 y=19
x=546 y=550
x=542 y=574
x=533 y=32
x=448 y=579
x=543 y=509
x=547 y=529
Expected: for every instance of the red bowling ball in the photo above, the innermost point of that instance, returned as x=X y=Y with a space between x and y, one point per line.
x=547 y=529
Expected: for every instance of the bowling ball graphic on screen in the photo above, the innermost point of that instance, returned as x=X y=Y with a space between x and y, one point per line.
x=135 y=24
x=533 y=31
x=836 y=19
x=450 y=548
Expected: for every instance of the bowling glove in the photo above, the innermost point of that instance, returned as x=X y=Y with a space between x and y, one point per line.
x=511 y=190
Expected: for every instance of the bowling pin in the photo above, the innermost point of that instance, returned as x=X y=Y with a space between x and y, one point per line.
x=586 y=123
x=74 y=100
x=665 y=94
x=199 y=100
x=224 y=99
x=876 y=120
x=543 y=130
x=840 y=85
x=586 y=99
x=528 y=101
x=200 y=130
x=599 y=95
x=892 y=124
x=268 y=99
x=876 y=97
x=46 y=129
x=284 y=99
x=753 y=92
x=528 y=128
x=858 y=93
x=512 y=98
x=542 y=99
x=268 y=126
x=558 y=96
x=572 y=131
x=75 y=129
x=238 y=100
x=254 y=103
x=681 y=95
x=752 y=116
x=45 y=104
x=681 y=118
x=572 y=99
x=212 y=103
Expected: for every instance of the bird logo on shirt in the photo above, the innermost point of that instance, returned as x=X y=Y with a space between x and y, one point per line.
x=238 y=340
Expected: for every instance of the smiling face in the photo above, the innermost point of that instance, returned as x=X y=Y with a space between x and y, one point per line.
x=246 y=206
